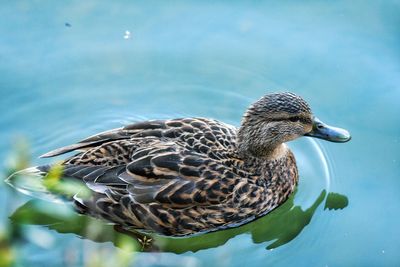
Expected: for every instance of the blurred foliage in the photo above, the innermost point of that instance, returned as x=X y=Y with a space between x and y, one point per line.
x=11 y=235
x=20 y=156
x=61 y=216
x=53 y=178
x=7 y=254
x=65 y=188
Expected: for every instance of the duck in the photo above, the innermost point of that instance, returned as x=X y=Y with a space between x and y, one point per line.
x=186 y=176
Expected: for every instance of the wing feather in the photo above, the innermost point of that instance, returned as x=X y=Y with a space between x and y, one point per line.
x=111 y=135
x=177 y=178
x=206 y=131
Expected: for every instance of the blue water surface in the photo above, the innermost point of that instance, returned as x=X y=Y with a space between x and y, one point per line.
x=69 y=69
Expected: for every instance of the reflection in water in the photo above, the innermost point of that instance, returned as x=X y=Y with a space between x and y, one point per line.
x=279 y=227
x=336 y=201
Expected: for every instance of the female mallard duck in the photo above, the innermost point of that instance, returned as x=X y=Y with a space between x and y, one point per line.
x=184 y=176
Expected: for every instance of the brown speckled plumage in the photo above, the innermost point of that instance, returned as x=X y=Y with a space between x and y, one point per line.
x=185 y=176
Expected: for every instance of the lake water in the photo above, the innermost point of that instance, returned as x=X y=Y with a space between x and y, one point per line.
x=72 y=69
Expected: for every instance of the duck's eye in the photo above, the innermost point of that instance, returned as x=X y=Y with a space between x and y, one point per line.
x=294 y=119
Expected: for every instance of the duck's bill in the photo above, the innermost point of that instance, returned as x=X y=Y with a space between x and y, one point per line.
x=329 y=133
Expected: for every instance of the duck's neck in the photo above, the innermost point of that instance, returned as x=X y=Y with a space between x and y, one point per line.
x=261 y=141
x=263 y=148
x=278 y=152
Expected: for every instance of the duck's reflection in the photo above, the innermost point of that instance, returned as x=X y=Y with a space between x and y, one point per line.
x=275 y=229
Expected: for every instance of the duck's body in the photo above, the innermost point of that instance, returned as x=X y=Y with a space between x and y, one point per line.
x=177 y=177
x=185 y=176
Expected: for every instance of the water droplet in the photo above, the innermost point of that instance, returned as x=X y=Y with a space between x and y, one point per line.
x=127 y=35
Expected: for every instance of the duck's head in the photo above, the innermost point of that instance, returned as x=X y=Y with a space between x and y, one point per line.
x=278 y=118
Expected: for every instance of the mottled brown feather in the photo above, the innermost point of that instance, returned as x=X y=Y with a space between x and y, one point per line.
x=176 y=177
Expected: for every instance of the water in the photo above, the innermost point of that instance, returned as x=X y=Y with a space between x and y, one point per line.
x=69 y=70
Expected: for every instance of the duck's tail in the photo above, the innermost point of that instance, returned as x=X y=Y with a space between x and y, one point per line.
x=30 y=182
x=45 y=182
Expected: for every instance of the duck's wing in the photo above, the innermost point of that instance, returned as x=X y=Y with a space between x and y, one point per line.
x=156 y=189
x=160 y=172
x=190 y=129
x=107 y=136
x=172 y=175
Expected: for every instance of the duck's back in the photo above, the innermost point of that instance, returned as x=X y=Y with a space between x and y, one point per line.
x=197 y=134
